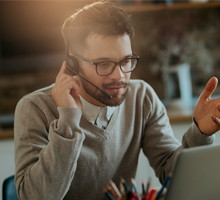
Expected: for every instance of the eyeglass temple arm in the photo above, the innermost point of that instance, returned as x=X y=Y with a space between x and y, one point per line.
x=135 y=54
x=83 y=59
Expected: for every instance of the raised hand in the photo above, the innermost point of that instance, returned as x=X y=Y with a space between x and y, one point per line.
x=66 y=90
x=207 y=110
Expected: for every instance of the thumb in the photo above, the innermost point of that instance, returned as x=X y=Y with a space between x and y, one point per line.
x=209 y=88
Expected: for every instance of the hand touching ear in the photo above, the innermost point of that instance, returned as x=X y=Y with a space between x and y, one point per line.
x=207 y=110
x=66 y=90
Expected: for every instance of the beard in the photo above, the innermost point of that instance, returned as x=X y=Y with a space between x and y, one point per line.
x=116 y=99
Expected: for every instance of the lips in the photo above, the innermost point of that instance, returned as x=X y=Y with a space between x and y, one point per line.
x=115 y=89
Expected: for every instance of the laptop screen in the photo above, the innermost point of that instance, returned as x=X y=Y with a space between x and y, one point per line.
x=196 y=174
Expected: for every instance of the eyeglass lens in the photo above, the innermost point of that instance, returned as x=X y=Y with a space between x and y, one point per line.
x=107 y=67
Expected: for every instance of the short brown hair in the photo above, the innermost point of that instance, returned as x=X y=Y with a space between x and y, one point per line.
x=102 y=17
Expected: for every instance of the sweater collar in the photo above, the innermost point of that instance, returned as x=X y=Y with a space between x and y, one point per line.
x=92 y=112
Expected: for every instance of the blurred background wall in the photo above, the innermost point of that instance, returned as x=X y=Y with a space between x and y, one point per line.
x=168 y=34
x=32 y=47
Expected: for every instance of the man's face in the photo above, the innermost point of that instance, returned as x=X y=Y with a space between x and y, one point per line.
x=109 y=48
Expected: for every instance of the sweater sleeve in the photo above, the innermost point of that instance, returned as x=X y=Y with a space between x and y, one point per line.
x=45 y=153
x=159 y=144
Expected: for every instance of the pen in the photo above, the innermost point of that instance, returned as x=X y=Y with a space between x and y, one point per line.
x=163 y=186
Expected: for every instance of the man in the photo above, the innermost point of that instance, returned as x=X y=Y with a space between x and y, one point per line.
x=71 y=139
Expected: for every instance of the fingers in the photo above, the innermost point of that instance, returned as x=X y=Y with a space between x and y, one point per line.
x=66 y=89
x=70 y=85
x=66 y=78
x=62 y=70
x=68 y=82
x=209 y=89
x=215 y=119
x=76 y=92
x=63 y=76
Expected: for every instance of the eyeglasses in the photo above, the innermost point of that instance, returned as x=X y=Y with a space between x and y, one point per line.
x=105 y=68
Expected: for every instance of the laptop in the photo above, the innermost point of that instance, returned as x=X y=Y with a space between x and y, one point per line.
x=196 y=174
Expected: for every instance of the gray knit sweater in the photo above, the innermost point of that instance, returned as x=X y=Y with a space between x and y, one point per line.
x=61 y=155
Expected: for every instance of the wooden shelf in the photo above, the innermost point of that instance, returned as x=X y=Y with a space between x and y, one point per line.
x=174 y=119
x=174 y=6
x=177 y=115
x=6 y=133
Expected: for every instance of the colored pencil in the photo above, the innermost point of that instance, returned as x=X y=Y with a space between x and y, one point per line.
x=108 y=194
x=163 y=186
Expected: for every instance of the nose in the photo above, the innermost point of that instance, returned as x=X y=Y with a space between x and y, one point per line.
x=117 y=74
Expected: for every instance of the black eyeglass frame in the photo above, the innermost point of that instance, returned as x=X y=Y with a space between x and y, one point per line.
x=116 y=63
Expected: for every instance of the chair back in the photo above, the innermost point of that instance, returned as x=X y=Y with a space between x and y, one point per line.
x=8 y=189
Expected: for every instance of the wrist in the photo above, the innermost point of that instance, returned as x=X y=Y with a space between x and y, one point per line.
x=199 y=128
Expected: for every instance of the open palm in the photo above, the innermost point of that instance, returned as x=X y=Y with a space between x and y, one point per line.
x=207 y=110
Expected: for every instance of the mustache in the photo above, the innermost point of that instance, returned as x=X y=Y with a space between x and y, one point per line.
x=117 y=84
